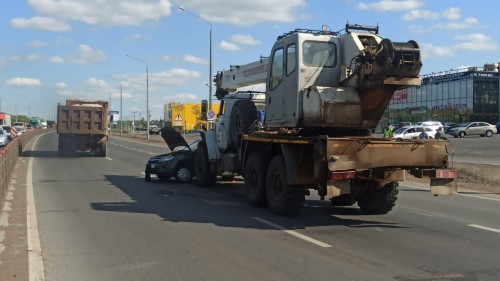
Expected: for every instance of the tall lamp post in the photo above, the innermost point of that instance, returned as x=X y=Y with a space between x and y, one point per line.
x=8 y=93
x=121 y=102
x=210 y=63
x=147 y=93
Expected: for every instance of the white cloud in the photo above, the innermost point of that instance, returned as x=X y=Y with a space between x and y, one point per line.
x=430 y=50
x=96 y=83
x=166 y=58
x=60 y=86
x=137 y=37
x=24 y=82
x=420 y=15
x=193 y=59
x=85 y=54
x=2 y=61
x=246 y=12
x=476 y=41
x=37 y=44
x=471 y=21
x=181 y=97
x=41 y=23
x=15 y=58
x=228 y=46
x=244 y=39
x=33 y=57
x=56 y=59
x=470 y=42
x=104 y=12
x=391 y=5
x=452 y=13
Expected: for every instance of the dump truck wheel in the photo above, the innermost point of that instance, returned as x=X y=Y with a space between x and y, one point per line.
x=255 y=179
x=378 y=200
x=103 y=149
x=204 y=177
x=343 y=200
x=282 y=199
x=244 y=113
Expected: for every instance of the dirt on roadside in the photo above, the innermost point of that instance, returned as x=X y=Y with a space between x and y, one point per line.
x=473 y=177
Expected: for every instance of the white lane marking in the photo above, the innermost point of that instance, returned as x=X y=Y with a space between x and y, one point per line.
x=35 y=261
x=415 y=212
x=109 y=158
x=485 y=228
x=460 y=194
x=293 y=233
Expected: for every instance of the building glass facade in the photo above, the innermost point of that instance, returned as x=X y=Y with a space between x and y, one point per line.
x=463 y=95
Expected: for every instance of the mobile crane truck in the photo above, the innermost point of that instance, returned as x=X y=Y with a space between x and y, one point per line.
x=325 y=93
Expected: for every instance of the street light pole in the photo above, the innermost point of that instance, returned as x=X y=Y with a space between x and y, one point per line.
x=147 y=92
x=210 y=63
x=121 y=103
x=29 y=109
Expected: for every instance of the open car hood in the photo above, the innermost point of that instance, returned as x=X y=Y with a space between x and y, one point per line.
x=173 y=139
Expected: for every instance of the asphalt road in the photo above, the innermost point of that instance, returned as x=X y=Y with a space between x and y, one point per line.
x=99 y=220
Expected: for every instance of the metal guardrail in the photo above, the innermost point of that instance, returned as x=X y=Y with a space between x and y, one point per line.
x=8 y=159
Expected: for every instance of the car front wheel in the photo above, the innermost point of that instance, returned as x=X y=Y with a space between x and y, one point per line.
x=461 y=134
x=183 y=174
x=489 y=133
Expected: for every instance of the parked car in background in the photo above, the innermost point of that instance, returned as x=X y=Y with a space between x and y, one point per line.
x=179 y=163
x=3 y=138
x=473 y=128
x=412 y=132
x=154 y=130
x=431 y=124
x=447 y=126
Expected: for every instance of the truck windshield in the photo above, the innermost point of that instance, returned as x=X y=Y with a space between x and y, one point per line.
x=319 y=54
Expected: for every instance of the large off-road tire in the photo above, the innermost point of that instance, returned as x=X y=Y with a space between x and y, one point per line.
x=183 y=174
x=282 y=199
x=343 y=200
x=243 y=115
x=255 y=179
x=202 y=171
x=378 y=200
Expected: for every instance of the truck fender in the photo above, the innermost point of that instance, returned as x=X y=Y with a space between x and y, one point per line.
x=211 y=144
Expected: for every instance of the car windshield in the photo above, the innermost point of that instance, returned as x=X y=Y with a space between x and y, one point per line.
x=400 y=131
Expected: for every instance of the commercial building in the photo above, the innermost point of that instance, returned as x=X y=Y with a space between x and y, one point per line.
x=462 y=95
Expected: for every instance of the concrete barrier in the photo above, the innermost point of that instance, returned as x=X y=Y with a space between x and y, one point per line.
x=9 y=156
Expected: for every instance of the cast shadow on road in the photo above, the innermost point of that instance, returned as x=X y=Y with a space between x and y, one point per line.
x=225 y=205
x=53 y=154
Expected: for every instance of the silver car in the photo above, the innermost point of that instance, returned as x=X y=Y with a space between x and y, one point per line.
x=473 y=128
x=412 y=132
x=3 y=138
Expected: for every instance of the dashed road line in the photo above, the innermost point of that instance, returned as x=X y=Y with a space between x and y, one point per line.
x=293 y=233
x=485 y=228
x=415 y=212
x=111 y=159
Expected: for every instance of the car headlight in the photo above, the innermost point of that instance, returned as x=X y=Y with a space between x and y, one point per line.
x=166 y=158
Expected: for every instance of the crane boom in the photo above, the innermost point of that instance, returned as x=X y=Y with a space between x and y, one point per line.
x=242 y=76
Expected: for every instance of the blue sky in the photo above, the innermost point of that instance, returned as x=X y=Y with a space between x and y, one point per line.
x=52 y=50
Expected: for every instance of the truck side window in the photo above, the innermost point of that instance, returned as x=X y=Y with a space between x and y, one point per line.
x=276 y=69
x=291 y=61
